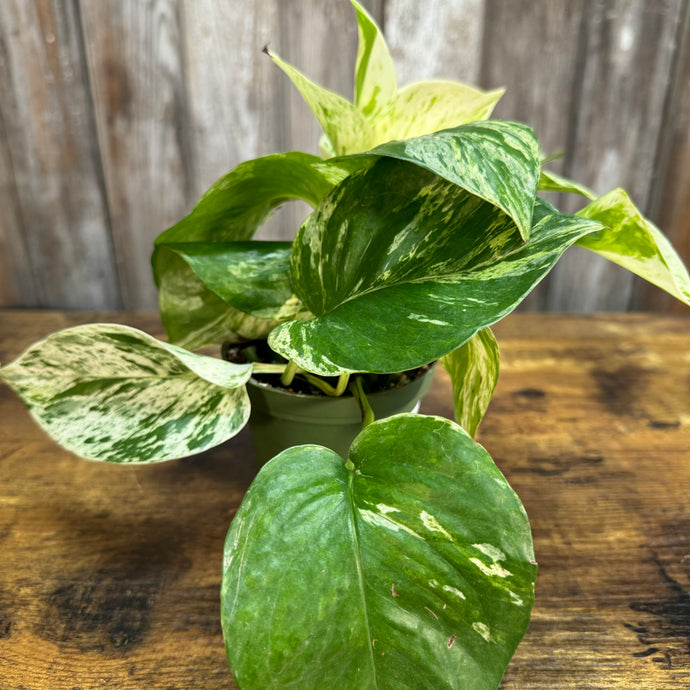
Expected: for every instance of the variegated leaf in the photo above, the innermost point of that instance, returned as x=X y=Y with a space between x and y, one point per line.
x=253 y=277
x=347 y=128
x=553 y=182
x=429 y=106
x=195 y=317
x=496 y=160
x=375 y=83
x=231 y=210
x=411 y=566
x=423 y=265
x=632 y=241
x=110 y=392
x=473 y=370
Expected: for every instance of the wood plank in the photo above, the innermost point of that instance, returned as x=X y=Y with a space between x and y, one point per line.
x=669 y=205
x=628 y=49
x=440 y=40
x=112 y=573
x=233 y=88
x=532 y=49
x=135 y=65
x=53 y=156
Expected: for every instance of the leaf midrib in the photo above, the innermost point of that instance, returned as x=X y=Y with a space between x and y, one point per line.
x=360 y=573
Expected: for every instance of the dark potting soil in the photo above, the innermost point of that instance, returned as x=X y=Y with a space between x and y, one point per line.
x=259 y=351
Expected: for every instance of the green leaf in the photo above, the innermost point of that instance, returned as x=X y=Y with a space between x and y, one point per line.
x=110 y=392
x=473 y=370
x=630 y=240
x=497 y=161
x=195 y=317
x=253 y=277
x=429 y=106
x=231 y=210
x=423 y=265
x=347 y=128
x=553 y=182
x=414 y=569
x=375 y=83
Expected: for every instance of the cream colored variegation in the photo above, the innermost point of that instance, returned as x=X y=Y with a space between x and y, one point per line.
x=634 y=242
x=473 y=370
x=111 y=392
x=381 y=112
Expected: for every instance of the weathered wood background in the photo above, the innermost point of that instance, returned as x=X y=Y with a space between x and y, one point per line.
x=115 y=115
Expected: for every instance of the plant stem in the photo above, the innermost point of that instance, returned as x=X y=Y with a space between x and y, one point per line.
x=289 y=373
x=361 y=398
x=326 y=387
x=265 y=368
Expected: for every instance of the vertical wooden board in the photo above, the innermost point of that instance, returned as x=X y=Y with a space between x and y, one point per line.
x=232 y=85
x=670 y=201
x=628 y=56
x=435 y=40
x=16 y=278
x=531 y=49
x=134 y=53
x=53 y=156
x=234 y=90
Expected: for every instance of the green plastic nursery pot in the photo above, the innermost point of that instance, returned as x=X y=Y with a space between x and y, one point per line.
x=280 y=419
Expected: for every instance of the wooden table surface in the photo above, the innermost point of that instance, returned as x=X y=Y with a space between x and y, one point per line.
x=109 y=575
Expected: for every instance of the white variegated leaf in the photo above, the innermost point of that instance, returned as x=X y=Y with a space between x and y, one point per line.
x=111 y=392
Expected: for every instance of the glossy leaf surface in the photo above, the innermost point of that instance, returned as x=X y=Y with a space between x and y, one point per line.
x=422 y=266
x=230 y=211
x=110 y=392
x=253 y=277
x=497 y=161
x=195 y=317
x=632 y=241
x=473 y=370
x=414 y=568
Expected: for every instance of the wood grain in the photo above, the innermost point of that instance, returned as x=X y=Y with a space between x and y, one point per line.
x=670 y=200
x=56 y=192
x=117 y=115
x=539 y=67
x=627 y=66
x=111 y=574
x=134 y=56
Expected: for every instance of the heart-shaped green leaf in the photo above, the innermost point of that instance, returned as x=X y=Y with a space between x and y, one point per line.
x=413 y=568
x=195 y=317
x=422 y=266
x=473 y=370
x=231 y=210
x=110 y=392
x=253 y=277
x=498 y=161
x=375 y=83
x=630 y=240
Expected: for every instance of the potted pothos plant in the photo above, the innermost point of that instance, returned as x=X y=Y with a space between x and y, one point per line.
x=407 y=561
